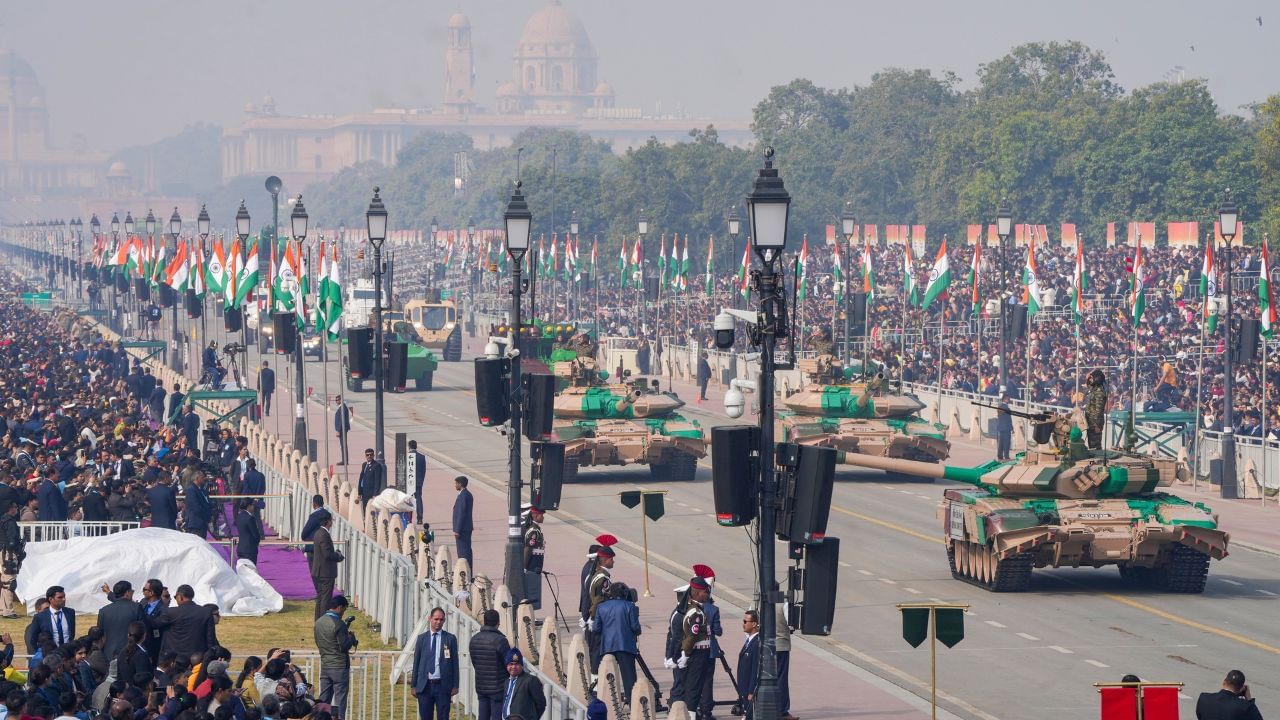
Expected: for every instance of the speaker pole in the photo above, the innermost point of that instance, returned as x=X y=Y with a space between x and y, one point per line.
x=517 y=220
x=1229 y=487
x=300 y=391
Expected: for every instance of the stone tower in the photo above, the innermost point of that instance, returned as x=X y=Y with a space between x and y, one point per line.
x=459 y=79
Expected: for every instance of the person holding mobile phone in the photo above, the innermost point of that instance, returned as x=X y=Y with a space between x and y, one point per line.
x=1232 y=702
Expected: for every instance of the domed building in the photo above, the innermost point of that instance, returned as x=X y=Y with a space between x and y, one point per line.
x=554 y=66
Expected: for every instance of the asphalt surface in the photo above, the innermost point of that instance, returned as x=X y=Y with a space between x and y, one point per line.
x=1026 y=655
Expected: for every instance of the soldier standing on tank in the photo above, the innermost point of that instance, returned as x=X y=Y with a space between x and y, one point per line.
x=1004 y=430
x=1095 y=411
x=695 y=645
x=535 y=549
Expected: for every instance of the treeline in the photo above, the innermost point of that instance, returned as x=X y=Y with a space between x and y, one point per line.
x=1045 y=126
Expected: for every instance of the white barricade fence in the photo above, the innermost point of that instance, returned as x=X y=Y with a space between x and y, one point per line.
x=66 y=529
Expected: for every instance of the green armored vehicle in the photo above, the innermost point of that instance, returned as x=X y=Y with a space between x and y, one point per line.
x=422 y=362
x=1063 y=505
x=858 y=417
x=627 y=423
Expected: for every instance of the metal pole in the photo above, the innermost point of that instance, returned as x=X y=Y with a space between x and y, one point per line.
x=644 y=532
x=513 y=573
x=767 y=705
x=1229 y=486
x=300 y=392
x=377 y=352
x=933 y=662
x=1004 y=316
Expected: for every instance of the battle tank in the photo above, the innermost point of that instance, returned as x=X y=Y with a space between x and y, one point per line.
x=860 y=417
x=1064 y=505
x=621 y=423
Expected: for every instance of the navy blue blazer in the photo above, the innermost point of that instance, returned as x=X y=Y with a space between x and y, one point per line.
x=462 y=512
x=254 y=483
x=44 y=623
x=53 y=507
x=448 y=661
x=748 y=666
x=199 y=508
x=164 y=506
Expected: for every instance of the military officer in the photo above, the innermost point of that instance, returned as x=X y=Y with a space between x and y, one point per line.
x=535 y=549
x=695 y=644
x=1095 y=411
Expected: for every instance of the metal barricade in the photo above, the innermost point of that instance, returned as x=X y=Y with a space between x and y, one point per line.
x=42 y=530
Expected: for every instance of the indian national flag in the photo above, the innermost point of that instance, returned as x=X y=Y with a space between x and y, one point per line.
x=802 y=272
x=684 y=263
x=662 y=259
x=179 y=271
x=321 y=288
x=744 y=277
x=248 y=275
x=197 y=271
x=1137 y=291
x=868 y=271
x=1079 y=284
x=159 y=268
x=133 y=260
x=1265 y=301
x=594 y=248
x=215 y=274
x=1031 y=281
x=231 y=290
x=975 y=267
x=837 y=272
x=637 y=257
x=282 y=287
x=910 y=293
x=939 y=276
x=709 y=286
x=1209 y=288
x=332 y=299
x=622 y=264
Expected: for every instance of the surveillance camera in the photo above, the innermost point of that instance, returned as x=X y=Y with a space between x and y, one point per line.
x=724 y=330
x=734 y=402
x=491 y=349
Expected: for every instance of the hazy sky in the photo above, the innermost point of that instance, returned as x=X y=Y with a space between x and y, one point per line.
x=131 y=71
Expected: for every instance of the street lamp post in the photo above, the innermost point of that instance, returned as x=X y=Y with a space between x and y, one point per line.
x=128 y=284
x=735 y=227
x=1004 y=227
x=150 y=223
x=573 y=279
x=848 y=224
x=642 y=229
x=376 y=220
x=298 y=220
x=517 y=220
x=202 y=229
x=112 y=312
x=244 y=225
x=95 y=229
x=1228 y=218
x=767 y=210
x=175 y=229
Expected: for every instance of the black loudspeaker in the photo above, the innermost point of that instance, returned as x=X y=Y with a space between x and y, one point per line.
x=122 y=283
x=734 y=473
x=1017 y=318
x=821 y=567
x=142 y=289
x=857 y=308
x=651 y=289
x=550 y=457
x=807 y=503
x=232 y=320
x=1247 y=339
x=360 y=352
x=540 y=394
x=285 y=338
x=397 y=366
x=194 y=307
x=167 y=296
x=493 y=403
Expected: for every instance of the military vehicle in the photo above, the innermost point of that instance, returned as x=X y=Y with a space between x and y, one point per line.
x=860 y=416
x=422 y=362
x=621 y=423
x=1064 y=505
x=437 y=323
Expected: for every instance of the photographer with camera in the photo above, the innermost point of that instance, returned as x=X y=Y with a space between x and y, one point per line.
x=12 y=553
x=617 y=622
x=334 y=641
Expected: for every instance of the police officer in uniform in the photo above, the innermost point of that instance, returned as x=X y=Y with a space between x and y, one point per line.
x=597 y=591
x=695 y=645
x=535 y=549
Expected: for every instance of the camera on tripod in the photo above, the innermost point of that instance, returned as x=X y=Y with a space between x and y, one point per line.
x=233 y=348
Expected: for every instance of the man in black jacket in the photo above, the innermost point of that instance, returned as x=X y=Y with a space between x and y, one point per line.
x=248 y=532
x=749 y=661
x=187 y=626
x=1232 y=702
x=175 y=403
x=522 y=693
x=372 y=478
x=266 y=386
x=116 y=616
x=342 y=426
x=488 y=651
x=164 y=505
x=324 y=564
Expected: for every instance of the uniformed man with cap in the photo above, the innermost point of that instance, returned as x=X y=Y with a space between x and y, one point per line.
x=714 y=630
x=584 y=599
x=695 y=645
x=675 y=631
x=535 y=550
x=597 y=590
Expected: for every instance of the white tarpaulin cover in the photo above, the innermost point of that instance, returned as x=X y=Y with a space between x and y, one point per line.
x=392 y=500
x=81 y=565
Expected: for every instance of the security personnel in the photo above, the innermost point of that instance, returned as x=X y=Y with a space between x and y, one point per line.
x=535 y=549
x=695 y=645
x=1095 y=410
x=12 y=553
x=597 y=591
x=584 y=599
x=675 y=632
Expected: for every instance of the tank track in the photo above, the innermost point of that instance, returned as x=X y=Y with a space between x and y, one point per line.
x=1012 y=574
x=1185 y=572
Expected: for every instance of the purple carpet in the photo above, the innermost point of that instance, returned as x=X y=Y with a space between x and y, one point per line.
x=284 y=568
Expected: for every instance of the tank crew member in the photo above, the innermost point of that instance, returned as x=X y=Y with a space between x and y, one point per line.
x=1095 y=411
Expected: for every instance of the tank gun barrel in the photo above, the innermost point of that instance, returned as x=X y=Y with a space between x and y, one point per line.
x=626 y=401
x=864 y=397
x=1038 y=417
x=971 y=476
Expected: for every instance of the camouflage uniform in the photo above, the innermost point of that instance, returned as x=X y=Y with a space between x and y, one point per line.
x=1095 y=410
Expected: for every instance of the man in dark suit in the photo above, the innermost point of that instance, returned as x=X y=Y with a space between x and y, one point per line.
x=372 y=477
x=164 y=505
x=324 y=564
x=175 y=403
x=522 y=694
x=52 y=505
x=199 y=507
x=155 y=403
x=315 y=519
x=248 y=532
x=115 y=617
x=187 y=627
x=1232 y=702
x=342 y=426
x=462 y=505
x=266 y=387
x=152 y=606
x=1004 y=430
x=189 y=422
x=419 y=475
x=435 y=670
x=58 y=620
x=749 y=661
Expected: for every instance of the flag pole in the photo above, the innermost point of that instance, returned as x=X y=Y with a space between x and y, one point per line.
x=1195 y=438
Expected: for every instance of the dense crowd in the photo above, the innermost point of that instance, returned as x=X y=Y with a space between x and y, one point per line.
x=1168 y=339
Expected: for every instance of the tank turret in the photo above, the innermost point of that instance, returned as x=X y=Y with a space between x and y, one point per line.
x=613 y=401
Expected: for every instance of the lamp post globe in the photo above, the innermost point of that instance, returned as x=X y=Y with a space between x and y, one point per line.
x=768 y=208
x=128 y=223
x=115 y=224
x=1004 y=228
x=202 y=221
x=848 y=222
x=376 y=223
x=573 y=223
x=175 y=225
x=150 y=223
x=244 y=224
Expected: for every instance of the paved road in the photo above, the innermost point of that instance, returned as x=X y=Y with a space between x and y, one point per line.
x=1028 y=655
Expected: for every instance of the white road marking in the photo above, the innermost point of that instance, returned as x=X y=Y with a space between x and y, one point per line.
x=1097 y=664
x=970 y=613
x=906 y=492
x=1183 y=696
x=913 y=591
x=1231 y=582
x=937 y=600
x=887 y=581
x=1027 y=636
x=844 y=564
x=697 y=510
x=995 y=624
x=1267 y=592
x=866 y=572
x=1062 y=650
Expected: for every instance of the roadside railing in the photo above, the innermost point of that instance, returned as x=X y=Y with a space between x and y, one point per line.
x=44 y=530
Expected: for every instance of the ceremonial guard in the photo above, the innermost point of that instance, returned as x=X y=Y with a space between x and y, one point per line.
x=695 y=645
x=597 y=591
x=535 y=549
